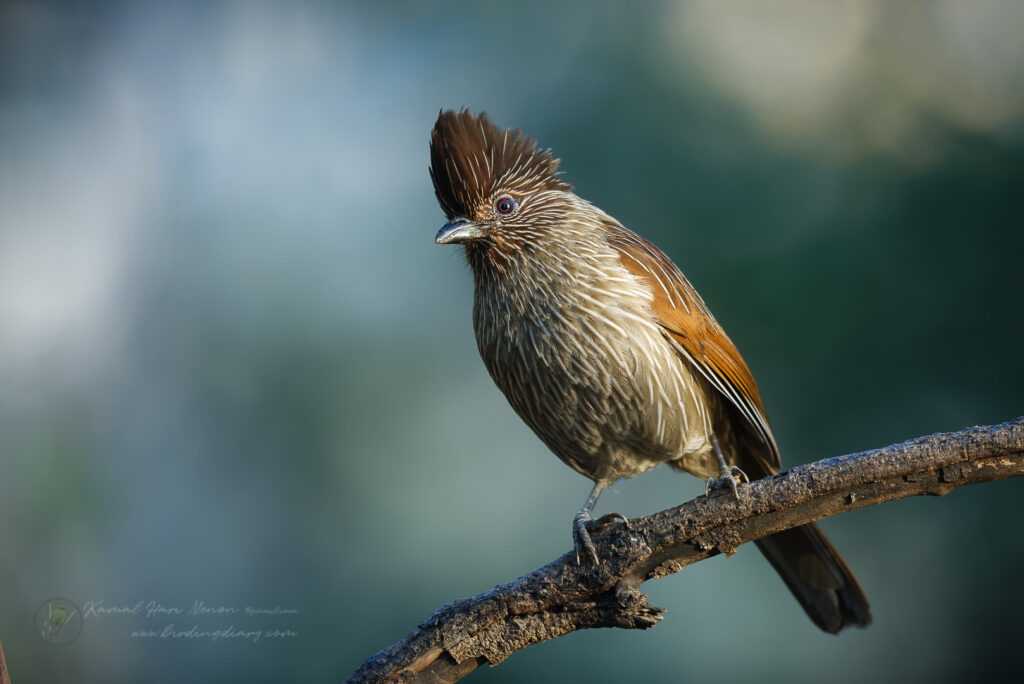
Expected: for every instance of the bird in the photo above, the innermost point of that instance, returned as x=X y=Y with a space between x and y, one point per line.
x=604 y=348
x=56 y=621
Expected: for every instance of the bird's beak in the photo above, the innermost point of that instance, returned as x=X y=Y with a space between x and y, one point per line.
x=459 y=230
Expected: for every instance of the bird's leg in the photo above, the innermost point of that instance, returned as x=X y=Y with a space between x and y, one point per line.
x=580 y=536
x=726 y=475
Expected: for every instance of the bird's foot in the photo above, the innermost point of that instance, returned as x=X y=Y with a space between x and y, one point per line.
x=729 y=479
x=581 y=537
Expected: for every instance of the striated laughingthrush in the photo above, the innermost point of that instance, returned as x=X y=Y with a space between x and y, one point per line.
x=605 y=349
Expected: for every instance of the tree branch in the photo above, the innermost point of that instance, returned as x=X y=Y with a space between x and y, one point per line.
x=5 y=678
x=562 y=597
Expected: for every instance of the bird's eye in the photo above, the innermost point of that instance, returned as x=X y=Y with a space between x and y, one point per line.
x=505 y=206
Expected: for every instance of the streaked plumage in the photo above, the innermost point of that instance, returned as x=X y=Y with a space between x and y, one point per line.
x=603 y=347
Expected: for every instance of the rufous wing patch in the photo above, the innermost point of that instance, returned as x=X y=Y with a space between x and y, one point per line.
x=683 y=315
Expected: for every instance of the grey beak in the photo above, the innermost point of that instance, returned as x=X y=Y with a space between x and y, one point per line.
x=459 y=230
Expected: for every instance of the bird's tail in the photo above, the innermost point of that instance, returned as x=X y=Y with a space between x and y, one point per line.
x=818 y=577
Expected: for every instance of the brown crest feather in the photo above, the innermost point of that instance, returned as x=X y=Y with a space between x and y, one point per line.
x=470 y=158
x=684 y=317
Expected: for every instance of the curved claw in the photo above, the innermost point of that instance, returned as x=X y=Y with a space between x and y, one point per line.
x=605 y=519
x=581 y=537
x=729 y=479
x=608 y=519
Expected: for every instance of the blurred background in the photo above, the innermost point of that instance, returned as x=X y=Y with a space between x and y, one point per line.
x=235 y=369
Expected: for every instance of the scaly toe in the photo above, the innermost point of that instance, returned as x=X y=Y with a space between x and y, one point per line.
x=582 y=542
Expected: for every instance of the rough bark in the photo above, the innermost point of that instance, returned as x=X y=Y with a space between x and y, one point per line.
x=562 y=597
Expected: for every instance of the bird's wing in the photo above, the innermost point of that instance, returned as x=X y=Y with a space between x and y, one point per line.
x=686 y=320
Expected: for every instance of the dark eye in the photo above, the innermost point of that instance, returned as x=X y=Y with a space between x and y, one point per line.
x=505 y=206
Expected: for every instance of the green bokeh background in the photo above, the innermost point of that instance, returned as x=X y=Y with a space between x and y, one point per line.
x=234 y=368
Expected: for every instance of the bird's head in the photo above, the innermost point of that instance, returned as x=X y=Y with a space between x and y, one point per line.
x=497 y=188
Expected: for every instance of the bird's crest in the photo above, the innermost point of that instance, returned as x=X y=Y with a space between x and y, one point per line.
x=470 y=158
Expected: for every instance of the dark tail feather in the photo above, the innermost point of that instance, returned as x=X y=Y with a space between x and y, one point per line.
x=818 y=577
